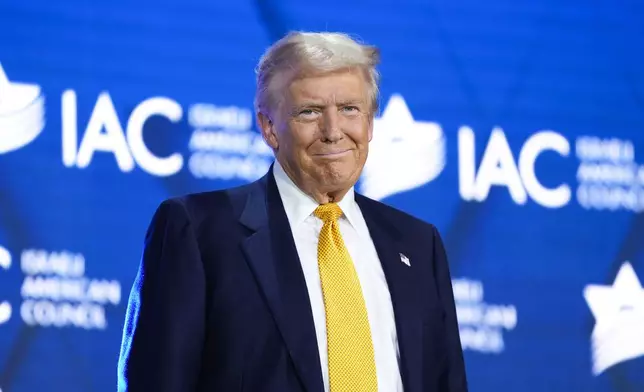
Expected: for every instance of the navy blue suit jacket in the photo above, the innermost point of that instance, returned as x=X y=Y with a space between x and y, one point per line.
x=220 y=301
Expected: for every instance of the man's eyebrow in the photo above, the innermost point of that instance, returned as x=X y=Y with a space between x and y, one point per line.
x=350 y=101
x=319 y=104
x=310 y=104
x=340 y=102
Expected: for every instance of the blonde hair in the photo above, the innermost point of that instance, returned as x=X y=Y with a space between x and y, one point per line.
x=300 y=52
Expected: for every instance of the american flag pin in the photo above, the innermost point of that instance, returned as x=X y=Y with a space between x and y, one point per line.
x=405 y=260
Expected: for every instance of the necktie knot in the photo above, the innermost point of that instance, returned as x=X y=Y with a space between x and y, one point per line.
x=329 y=212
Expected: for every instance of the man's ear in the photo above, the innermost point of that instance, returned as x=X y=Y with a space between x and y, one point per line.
x=370 y=129
x=266 y=126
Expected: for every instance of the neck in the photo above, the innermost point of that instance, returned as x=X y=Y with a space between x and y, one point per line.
x=328 y=197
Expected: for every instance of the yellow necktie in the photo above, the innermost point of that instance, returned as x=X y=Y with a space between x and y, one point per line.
x=352 y=367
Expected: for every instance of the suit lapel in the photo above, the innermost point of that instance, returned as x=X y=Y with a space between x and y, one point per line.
x=403 y=287
x=272 y=254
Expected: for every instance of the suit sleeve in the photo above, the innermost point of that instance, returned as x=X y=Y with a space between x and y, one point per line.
x=164 y=327
x=455 y=379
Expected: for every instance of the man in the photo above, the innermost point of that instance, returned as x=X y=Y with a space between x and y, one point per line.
x=295 y=282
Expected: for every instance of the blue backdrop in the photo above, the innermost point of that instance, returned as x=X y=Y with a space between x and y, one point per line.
x=516 y=127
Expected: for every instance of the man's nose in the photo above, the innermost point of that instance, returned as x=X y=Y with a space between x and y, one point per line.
x=330 y=126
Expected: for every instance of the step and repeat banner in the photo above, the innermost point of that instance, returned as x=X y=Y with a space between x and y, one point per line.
x=517 y=128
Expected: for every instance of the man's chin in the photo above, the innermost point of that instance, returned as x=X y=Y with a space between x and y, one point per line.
x=338 y=177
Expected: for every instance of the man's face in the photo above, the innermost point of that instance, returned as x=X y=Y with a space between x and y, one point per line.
x=321 y=130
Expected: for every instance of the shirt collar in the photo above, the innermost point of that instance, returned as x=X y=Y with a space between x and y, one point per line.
x=299 y=206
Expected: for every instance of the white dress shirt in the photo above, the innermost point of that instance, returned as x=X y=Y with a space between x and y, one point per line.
x=306 y=228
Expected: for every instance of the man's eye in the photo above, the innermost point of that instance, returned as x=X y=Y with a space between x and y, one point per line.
x=307 y=114
x=350 y=109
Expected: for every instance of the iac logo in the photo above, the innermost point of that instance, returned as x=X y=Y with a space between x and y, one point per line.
x=406 y=154
x=223 y=144
x=499 y=167
x=104 y=133
x=22 y=119
x=22 y=113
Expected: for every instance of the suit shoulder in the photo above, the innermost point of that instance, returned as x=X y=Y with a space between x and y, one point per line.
x=197 y=206
x=399 y=218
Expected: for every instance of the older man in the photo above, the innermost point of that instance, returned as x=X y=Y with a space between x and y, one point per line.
x=295 y=282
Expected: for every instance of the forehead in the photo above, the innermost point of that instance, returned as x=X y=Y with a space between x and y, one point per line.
x=329 y=87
